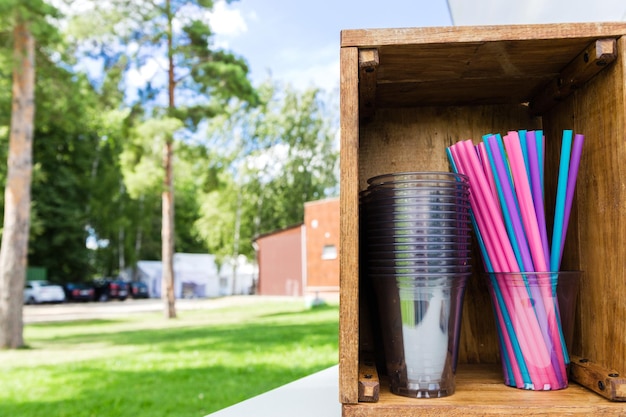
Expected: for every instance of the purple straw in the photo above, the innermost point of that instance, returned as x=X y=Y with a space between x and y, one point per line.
x=577 y=148
x=536 y=189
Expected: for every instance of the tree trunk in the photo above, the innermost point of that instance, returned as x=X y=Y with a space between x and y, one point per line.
x=167 y=227
x=167 y=236
x=236 y=240
x=14 y=248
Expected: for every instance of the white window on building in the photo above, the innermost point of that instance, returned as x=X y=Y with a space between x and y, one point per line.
x=329 y=252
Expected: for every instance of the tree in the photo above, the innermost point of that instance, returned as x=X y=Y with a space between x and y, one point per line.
x=17 y=197
x=279 y=155
x=199 y=81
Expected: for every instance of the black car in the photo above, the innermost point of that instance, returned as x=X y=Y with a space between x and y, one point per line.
x=78 y=291
x=110 y=289
x=138 y=289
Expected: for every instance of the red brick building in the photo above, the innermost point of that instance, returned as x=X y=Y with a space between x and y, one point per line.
x=279 y=255
x=302 y=260
x=321 y=221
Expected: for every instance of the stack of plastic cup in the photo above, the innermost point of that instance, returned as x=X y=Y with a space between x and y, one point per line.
x=416 y=245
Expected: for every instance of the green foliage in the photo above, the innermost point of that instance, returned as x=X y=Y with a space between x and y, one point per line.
x=143 y=366
x=142 y=157
x=37 y=12
x=98 y=157
x=283 y=153
x=63 y=151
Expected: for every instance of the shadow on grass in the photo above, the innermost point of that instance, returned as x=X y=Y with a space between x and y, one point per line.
x=312 y=310
x=74 y=323
x=180 y=393
x=233 y=337
x=261 y=356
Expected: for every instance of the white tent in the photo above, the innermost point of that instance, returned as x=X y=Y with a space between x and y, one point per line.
x=245 y=277
x=197 y=276
x=150 y=273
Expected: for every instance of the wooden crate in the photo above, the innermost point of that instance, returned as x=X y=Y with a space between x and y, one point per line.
x=407 y=94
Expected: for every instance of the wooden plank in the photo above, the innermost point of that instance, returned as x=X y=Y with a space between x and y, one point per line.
x=481 y=392
x=368 y=66
x=587 y=64
x=372 y=38
x=349 y=228
x=369 y=385
x=606 y=382
x=596 y=242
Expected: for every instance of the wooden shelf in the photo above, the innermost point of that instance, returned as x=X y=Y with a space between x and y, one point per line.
x=409 y=93
x=481 y=392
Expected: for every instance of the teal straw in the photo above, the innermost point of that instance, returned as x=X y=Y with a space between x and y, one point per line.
x=527 y=381
x=522 y=139
x=559 y=210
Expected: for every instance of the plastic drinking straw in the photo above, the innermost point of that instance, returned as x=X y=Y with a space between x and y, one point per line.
x=502 y=244
x=504 y=323
x=522 y=188
x=541 y=154
x=510 y=211
x=569 y=197
x=510 y=206
x=561 y=191
x=577 y=148
x=537 y=190
x=484 y=159
x=553 y=334
x=526 y=323
x=508 y=338
x=527 y=209
x=522 y=138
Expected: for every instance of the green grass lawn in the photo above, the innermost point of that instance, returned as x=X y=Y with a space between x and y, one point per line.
x=144 y=365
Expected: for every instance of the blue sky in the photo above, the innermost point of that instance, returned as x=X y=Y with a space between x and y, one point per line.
x=298 y=41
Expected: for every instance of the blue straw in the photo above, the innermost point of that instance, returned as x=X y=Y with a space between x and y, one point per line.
x=522 y=139
x=559 y=210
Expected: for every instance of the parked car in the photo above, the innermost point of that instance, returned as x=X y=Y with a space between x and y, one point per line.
x=138 y=289
x=38 y=291
x=78 y=291
x=109 y=289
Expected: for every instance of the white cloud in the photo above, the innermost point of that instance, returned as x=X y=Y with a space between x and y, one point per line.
x=227 y=21
x=139 y=76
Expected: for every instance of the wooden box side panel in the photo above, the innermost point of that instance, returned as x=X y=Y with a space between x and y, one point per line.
x=348 y=224
x=415 y=139
x=596 y=239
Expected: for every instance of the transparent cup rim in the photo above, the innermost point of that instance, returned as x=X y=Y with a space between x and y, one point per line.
x=420 y=175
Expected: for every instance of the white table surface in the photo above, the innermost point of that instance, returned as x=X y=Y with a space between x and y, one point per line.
x=316 y=395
